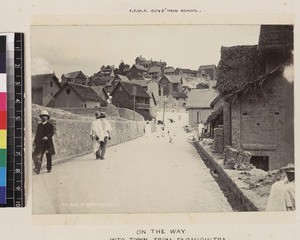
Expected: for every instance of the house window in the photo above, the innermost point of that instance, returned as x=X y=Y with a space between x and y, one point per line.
x=51 y=84
x=68 y=91
x=164 y=83
x=198 y=117
x=147 y=101
x=84 y=105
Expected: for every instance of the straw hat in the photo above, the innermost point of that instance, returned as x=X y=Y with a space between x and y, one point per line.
x=102 y=114
x=289 y=168
x=45 y=113
x=97 y=114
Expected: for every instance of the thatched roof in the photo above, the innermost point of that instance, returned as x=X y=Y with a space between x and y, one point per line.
x=38 y=81
x=99 y=90
x=85 y=92
x=171 y=78
x=238 y=66
x=257 y=83
x=276 y=38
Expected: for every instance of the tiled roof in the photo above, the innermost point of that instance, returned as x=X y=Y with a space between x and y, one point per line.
x=169 y=70
x=201 y=98
x=123 y=78
x=72 y=74
x=172 y=78
x=140 y=91
x=143 y=83
x=154 y=70
x=97 y=81
x=37 y=81
x=203 y=67
x=139 y=67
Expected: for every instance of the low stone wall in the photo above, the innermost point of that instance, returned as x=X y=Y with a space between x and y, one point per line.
x=72 y=132
x=225 y=182
x=130 y=115
x=110 y=110
x=72 y=137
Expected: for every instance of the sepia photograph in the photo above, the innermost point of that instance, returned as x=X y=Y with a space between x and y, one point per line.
x=162 y=119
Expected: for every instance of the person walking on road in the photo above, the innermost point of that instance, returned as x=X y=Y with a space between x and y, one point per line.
x=171 y=130
x=97 y=134
x=107 y=134
x=43 y=143
x=147 y=130
x=200 y=131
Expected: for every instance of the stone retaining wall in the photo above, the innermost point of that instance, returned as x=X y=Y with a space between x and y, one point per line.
x=225 y=182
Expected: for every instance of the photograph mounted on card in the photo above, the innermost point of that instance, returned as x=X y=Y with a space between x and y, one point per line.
x=162 y=119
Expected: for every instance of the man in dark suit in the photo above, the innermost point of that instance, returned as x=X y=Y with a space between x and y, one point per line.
x=43 y=143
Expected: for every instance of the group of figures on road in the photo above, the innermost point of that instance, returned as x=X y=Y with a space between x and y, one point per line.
x=43 y=144
x=168 y=130
x=281 y=198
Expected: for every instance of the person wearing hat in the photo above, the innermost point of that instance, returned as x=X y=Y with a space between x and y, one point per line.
x=107 y=134
x=97 y=134
x=282 y=195
x=43 y=143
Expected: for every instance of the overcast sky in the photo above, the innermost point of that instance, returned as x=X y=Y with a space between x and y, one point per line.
x=66 y=49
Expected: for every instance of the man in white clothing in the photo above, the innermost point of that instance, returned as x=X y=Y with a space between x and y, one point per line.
x=200 y=131
x=282 y=195
x=107 y=134
x=97 y=134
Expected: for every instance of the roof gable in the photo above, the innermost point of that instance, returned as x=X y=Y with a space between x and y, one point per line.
x=85 y=92
x=74 y=74
x=140 y=91
x=38 y=81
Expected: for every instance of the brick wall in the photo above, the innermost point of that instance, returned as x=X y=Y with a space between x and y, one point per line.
x=218 y=144
x=261 y=120
x=227 y=123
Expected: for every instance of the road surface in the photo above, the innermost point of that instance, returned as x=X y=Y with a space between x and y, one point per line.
x=144 y=175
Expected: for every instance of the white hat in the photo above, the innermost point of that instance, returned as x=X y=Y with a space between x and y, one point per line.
x=45 y=113
x=289 y=168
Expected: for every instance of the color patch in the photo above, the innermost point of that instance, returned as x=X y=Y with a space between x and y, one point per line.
x=3 y=80
x=3 y=158
x=3 y=104
x=3 y=173
x=3 y=139
x=2 y=194
x=3 y=120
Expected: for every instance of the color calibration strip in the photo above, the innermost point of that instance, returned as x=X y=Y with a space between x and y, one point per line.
x=14 y=120
x=3 y=120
